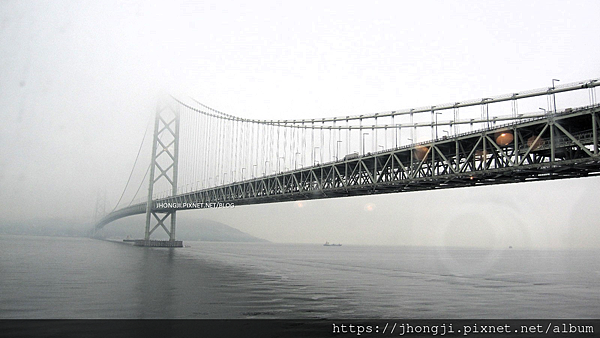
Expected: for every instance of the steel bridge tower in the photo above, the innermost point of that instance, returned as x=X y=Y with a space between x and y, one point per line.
x=163 y=166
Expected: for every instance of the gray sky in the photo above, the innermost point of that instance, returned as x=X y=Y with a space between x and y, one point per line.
x=79 y=79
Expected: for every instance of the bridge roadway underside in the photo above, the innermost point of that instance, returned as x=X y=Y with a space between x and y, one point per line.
x=563 y=145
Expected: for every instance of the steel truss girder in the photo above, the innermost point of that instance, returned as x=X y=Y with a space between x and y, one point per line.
x=470 y=159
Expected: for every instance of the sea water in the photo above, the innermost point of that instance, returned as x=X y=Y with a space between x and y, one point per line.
x=53 y=277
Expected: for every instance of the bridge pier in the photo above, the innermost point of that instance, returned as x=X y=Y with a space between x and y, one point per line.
x=158 y=244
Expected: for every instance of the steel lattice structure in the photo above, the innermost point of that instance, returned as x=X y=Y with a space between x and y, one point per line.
x=559 y=146
x=165 y=159
x=553 y=145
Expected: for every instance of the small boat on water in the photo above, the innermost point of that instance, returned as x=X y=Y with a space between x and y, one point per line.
x=328 y=244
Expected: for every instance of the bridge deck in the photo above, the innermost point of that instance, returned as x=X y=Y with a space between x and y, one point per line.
x=555 y=146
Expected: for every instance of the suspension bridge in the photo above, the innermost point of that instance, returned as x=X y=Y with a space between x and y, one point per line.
x=204 y=158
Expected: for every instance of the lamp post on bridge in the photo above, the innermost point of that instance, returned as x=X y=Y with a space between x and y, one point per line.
x=487 y=111
x=411 y=153
x=554 y=94
x=436 y=123
x=363 y=141
x=314 y=155
x=296 y=160
x=254 y=166
x=337 y=156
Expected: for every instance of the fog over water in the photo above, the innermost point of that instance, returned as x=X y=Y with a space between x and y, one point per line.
x=79 y=81
x=51 y=277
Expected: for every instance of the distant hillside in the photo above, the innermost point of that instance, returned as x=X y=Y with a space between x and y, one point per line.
x=187 y=230
x=211 y=231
